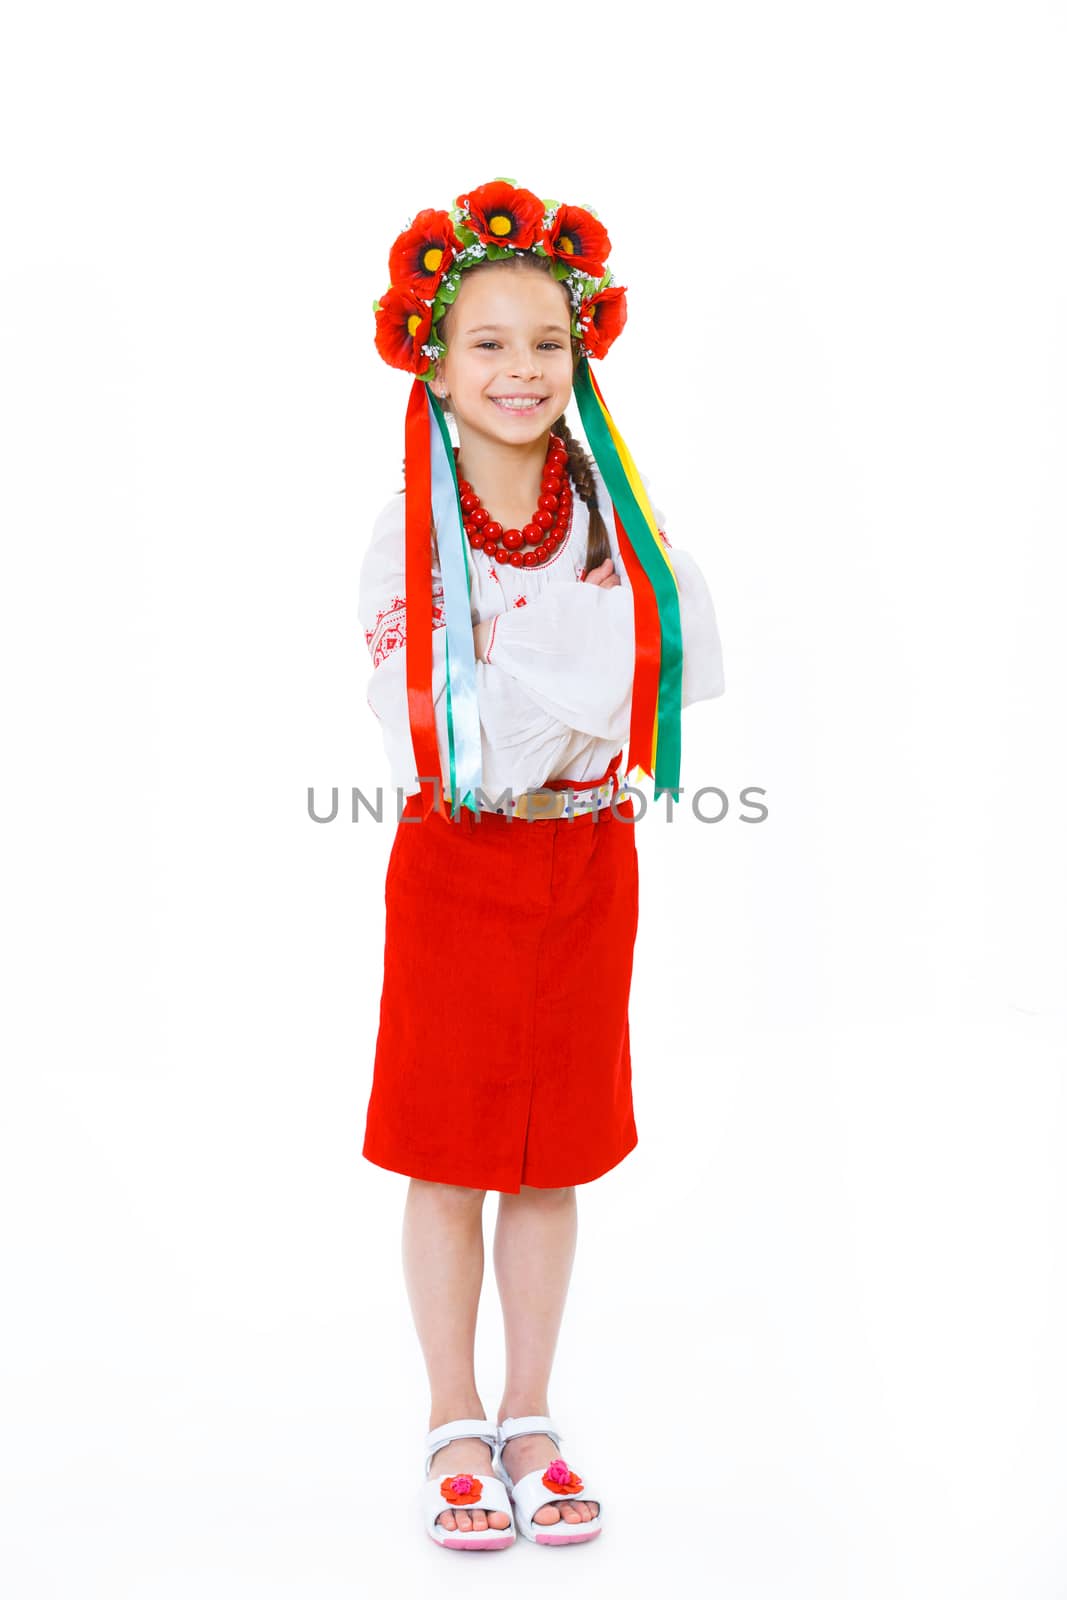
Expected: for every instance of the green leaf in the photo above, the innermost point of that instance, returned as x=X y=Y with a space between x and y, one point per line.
x=560 y=270
x=514 y=185
x=464 y=234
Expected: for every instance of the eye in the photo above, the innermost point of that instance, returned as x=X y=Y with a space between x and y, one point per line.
x=491 y=344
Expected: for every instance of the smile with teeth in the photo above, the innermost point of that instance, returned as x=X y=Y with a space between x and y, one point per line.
x=518 y=403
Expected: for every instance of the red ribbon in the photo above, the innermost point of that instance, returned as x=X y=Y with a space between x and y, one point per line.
x=646 y=654
x=418 y=518
x=591 y=783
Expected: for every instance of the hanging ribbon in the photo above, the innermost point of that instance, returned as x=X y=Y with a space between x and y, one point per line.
x=461 y=686
x=642 y=752
x=656 y=713
x=418 y=509
x=432 y=493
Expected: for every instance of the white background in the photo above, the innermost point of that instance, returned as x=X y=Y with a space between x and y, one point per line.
x=814 y=1342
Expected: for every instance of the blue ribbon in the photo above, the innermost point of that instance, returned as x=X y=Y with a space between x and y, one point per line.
x=461 y=686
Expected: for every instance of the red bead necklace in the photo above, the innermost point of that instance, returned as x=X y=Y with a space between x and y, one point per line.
x=547 y=528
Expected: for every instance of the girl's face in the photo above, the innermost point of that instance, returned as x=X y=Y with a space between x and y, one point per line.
x=508 y=336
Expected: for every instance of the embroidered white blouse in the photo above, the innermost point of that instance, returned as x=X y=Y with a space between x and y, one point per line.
x=555 y=687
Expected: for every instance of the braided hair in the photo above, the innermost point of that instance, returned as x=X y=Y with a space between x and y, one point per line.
x=580 y=469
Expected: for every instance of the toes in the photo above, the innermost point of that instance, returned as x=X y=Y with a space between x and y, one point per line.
x=476 y=1521
x=571 y=1511
x=579 y=1510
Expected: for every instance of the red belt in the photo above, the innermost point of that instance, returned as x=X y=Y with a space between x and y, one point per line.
x=591 y=783
x=557 y=784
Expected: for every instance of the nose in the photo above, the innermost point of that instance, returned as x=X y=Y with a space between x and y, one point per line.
x=527 y=365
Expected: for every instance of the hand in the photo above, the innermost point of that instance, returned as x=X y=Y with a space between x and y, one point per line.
x=604 y=576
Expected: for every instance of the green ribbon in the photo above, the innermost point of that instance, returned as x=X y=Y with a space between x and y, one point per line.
x=653 y=562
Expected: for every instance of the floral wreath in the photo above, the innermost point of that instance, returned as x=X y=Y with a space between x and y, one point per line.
x=427 y=262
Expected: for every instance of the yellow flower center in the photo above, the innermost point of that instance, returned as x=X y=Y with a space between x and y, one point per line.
x=413 y=323
x=500 y=224
x=566 y=243
x=432 y=260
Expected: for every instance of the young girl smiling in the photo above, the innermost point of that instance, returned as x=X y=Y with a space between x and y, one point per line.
x=503 y=1052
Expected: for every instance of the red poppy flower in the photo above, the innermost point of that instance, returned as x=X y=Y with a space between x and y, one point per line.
x=558 y=1476
x=502 y=214
x=403 y=327
x=601 y=319
x=577 y=238
x=461 y=1489
x=423 y=253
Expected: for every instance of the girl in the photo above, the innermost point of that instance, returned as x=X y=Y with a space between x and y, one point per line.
x=503 y=1056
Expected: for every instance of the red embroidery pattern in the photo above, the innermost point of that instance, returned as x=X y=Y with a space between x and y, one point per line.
x=663 y=536
x=521 y=601
x=390 y=631
x=492 y=639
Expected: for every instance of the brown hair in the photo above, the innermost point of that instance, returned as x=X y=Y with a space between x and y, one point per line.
x=579 y=461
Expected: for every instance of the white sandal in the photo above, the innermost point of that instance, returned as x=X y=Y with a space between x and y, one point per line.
x=537 y=1488
x=464 y=1490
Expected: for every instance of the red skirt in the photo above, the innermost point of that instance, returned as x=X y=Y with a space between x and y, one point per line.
x=503 y=1051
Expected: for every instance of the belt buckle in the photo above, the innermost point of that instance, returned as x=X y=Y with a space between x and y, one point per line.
x=540 y=805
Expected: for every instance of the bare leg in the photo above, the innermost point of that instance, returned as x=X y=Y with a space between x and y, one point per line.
x=444 y=1258
x=533 y=1252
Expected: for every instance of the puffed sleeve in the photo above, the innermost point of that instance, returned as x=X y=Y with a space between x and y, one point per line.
x=522 y=742
x=572 y=648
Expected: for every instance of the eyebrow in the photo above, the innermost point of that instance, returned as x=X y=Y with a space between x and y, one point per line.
x=494 y=327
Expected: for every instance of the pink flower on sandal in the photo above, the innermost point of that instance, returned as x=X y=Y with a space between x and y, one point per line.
x=558 y=1476
x=461 y=1489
